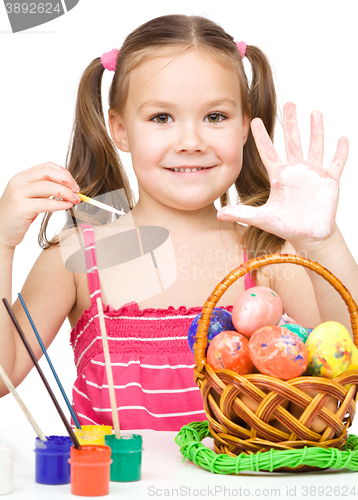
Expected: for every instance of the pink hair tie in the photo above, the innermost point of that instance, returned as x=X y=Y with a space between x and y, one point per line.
x=241 y=48
x=109 y=59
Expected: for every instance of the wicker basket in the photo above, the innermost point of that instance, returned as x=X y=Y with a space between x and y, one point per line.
x=220 y=389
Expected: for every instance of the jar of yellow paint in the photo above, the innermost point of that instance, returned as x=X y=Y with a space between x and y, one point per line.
x=92 y=434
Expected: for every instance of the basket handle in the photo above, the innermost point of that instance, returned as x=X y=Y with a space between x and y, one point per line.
x=201 y=340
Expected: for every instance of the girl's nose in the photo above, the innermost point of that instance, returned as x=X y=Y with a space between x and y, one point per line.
x=190 y=139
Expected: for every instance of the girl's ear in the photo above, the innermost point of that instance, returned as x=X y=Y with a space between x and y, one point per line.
x=118 y=131
x=245 y=128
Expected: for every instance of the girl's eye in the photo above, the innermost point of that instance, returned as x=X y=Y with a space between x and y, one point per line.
x=216 y=117
x=162 y=118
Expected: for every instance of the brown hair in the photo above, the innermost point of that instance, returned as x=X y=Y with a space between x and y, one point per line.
x=92 y=158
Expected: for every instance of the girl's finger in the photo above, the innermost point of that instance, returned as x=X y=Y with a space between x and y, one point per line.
x=45 y=189
x=315 y=152
x=241 y=213
x=46 y=164
x=336 y=167
x=39 y=206
x=50 y=171
x=265 y=147
x=291 y=133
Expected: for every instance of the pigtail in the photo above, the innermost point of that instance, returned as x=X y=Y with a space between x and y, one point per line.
x=92 y=157
x=253 y=185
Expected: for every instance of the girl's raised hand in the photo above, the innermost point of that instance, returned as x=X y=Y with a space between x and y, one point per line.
x=304 y=196
x=30 y=193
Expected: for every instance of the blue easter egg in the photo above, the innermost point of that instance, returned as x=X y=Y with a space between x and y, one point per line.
x=220 y=320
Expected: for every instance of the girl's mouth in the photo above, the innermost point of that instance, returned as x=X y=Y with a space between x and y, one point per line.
x=188 y=170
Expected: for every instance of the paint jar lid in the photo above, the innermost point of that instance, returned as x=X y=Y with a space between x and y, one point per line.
x=126 y=444
x=90 y=454
x=6 y=450
x=54 y=444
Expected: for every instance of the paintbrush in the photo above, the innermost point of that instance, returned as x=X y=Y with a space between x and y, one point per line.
x=99 y=204
x=69 y=406
x=22 y=405
x=75 y=442
x=112 y=395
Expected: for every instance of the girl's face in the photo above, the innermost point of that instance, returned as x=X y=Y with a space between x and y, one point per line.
x=183 y=113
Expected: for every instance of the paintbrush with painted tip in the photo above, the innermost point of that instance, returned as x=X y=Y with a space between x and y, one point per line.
x=74 y=439
x=99 y=204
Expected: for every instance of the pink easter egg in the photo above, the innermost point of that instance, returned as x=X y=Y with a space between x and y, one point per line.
x=230 y=350
x=257 y=307
x=278 y=352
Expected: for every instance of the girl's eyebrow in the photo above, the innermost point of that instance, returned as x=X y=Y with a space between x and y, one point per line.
x=163 y=104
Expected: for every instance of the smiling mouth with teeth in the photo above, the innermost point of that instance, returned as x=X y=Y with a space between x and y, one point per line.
x=188 y=169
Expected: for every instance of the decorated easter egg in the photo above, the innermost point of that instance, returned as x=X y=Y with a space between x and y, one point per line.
x=257 y=307
x=354 y=360
x=353 y=364
x=329 y=349
x=299 y=330
x=220 y=320
x=286 y=319
x=230 y=350
x=278 y=352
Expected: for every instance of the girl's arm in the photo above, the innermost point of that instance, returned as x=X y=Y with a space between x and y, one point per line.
x=298 y=287
x=333 y=254
x=301 y=209
x=49 y=291
x=49 y=294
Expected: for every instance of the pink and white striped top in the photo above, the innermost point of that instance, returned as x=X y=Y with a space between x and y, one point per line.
x=151 y=362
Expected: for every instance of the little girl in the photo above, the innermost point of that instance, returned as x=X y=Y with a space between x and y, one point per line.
x=181 y=104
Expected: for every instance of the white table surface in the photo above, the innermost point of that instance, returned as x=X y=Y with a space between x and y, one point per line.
x=165 y=475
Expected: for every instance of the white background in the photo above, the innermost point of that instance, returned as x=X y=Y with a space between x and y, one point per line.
x=311 y=44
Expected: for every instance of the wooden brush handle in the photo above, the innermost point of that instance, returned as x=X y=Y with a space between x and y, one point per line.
x=201 y=340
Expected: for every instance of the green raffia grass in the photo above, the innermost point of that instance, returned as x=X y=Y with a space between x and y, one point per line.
x=190 y=436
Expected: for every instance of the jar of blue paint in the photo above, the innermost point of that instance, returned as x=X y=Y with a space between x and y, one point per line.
x=52 y=457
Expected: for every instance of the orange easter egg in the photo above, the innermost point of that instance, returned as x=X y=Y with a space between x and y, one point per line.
x=230 y=350
x=278 y=352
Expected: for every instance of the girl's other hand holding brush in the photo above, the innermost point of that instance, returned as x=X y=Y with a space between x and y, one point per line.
x=44 y=188
x=47 y=187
